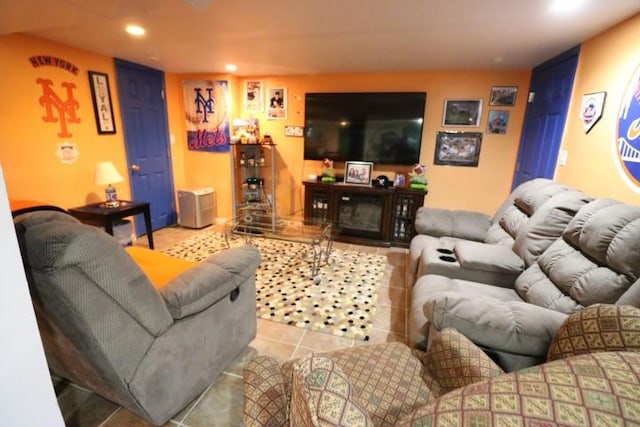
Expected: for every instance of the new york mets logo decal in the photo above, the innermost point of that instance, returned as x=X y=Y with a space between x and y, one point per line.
x=59 y=110
x=628 y=134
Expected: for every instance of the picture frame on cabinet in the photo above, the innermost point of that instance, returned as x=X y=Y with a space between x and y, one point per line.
x=503 y=96
x=253 y=96
x=246 y=131
x=277 y=108
x=457 y=148
x=102 y=106
x=358 y=173
x=462 y=112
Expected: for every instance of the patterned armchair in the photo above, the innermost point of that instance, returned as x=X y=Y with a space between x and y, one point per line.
x=592 y=377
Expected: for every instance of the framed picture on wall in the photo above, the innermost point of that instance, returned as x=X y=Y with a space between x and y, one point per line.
x=253 y=96
x=297 y=131
x=498 y=121
x=101 y=96
x=277 y=108
x=457 y=148
x=358 y=173
x=504 y=96
x=462 y=112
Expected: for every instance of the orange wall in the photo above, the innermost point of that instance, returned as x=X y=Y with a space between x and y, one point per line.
x=33 y=171
x=606 y=64
x=480 y=188
x=28 y=148
x=454 y=187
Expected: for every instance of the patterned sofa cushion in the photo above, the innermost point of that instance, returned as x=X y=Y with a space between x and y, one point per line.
x=594 y=389
x=455 y=362
x=265 y=401
x=322 y=395
x=390 y=379
x=600 y=327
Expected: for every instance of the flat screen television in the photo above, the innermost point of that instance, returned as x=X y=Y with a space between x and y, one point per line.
x=379 y=127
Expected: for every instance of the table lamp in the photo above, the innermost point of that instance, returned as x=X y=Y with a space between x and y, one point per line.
x=107 y=174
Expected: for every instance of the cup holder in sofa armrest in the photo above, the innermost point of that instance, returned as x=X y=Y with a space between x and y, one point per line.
x=445 y=251
x=447 y=258
x=488 y=257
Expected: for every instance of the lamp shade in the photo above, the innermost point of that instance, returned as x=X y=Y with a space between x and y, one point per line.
x=106 y=173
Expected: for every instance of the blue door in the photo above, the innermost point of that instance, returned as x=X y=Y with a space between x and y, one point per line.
x=550 y=93
x=144 y=116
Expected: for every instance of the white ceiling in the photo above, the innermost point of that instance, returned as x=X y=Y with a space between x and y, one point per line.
x=282 y=37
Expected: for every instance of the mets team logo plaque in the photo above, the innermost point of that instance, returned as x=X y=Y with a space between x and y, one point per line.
x=627 y=145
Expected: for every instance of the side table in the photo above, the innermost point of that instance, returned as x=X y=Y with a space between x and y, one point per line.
x=98 y=214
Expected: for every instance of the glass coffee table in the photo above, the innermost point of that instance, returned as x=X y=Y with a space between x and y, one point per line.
x=318 y=237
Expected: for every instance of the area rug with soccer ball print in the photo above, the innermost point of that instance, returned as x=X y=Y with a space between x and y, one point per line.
x=343 y=303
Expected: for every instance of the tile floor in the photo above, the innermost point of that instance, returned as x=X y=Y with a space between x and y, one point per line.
x=221 y=403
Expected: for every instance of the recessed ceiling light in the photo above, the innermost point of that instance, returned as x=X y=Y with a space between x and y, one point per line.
x=565 y=6
x=135 y=30
x=231 y=67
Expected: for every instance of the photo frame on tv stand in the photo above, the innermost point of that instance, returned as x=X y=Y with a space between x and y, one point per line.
x=358 y=173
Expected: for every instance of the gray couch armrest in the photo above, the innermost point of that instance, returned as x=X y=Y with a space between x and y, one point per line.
x=203 y=285
x=510 y=326
x=486 y=257
x=461 y=224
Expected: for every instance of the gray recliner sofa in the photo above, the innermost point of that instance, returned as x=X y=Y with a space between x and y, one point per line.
x=106 y=327
x=533 y=217
x=532 y=224
x=596 y=260
x=439 y=230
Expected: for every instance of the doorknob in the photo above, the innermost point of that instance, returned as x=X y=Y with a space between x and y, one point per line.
x=135 y=168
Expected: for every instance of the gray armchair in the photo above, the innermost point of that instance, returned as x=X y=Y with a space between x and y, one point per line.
x=107 y=328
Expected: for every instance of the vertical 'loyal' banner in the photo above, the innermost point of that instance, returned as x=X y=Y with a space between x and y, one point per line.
x=207 y=114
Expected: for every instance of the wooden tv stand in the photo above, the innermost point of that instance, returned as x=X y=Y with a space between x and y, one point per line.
x=364 y=215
